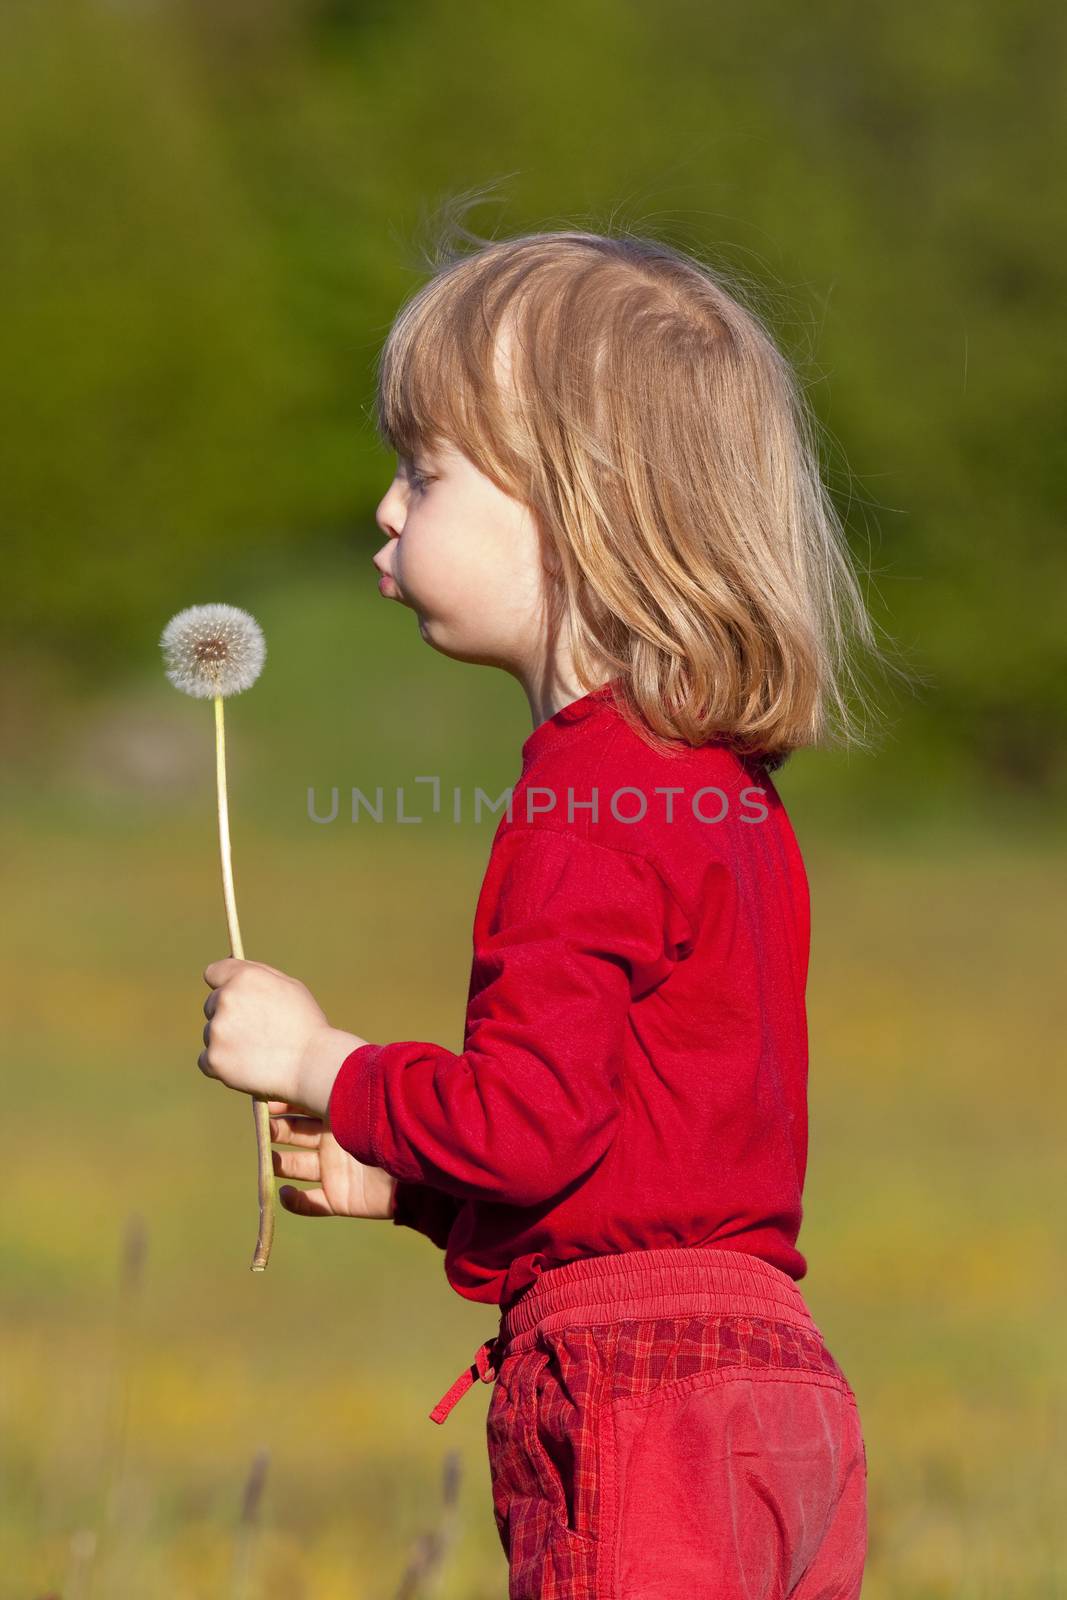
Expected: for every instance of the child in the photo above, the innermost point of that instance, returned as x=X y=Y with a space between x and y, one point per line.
x=608 y=487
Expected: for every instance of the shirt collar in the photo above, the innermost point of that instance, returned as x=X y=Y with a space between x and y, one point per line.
x=555 y=727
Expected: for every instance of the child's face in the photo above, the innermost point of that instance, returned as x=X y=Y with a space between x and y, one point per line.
x=465 y=557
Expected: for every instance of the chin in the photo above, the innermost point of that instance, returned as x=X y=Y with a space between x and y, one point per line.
x=437 y=638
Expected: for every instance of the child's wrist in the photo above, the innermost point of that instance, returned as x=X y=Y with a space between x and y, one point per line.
x=323 y=1058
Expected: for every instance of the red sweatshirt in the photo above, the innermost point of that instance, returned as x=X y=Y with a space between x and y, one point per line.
x=634 y=1068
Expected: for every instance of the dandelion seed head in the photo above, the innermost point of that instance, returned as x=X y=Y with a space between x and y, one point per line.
x=213 y=650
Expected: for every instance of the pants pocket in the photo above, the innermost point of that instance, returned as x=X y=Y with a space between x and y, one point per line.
x=533 y=1500
x=560 y=1445
x=740 y=1482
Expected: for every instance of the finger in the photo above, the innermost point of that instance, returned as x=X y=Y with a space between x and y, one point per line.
x=210 y=1003
x=296 y=1130
x=305 y=1202
x=285 y=1106
x=266 y=967
x=297 y=1164
x=217 y=972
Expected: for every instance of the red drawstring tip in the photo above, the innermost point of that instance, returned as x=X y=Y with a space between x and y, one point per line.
x=481 y=1366
x=447 y=1401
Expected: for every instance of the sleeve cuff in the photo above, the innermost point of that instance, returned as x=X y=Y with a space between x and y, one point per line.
x=405 y=1212
x=426 y=1210
x=350 y=1109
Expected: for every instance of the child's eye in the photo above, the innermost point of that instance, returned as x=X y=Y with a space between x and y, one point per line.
x=418 y=480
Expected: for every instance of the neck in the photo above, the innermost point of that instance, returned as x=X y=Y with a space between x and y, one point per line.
x=549 y=691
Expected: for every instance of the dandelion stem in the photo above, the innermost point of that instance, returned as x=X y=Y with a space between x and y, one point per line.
x=259 y=1102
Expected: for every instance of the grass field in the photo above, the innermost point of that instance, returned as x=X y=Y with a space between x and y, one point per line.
x=132 y=1420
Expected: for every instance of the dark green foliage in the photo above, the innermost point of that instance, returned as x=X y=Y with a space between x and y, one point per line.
x=213 y=211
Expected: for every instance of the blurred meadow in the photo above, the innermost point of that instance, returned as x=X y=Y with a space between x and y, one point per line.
x=212 y=211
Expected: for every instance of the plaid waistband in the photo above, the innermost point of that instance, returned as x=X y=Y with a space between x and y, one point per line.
x=675 y=1282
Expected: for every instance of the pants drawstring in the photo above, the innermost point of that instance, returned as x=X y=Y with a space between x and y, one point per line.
x=482 y=1367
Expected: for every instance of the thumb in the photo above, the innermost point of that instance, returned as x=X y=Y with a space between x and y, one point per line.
x=305 y=1202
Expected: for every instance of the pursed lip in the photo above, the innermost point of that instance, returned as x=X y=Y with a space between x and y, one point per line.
x=387 y=585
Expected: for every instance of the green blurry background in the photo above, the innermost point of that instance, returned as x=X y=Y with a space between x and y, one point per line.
x=213 y=209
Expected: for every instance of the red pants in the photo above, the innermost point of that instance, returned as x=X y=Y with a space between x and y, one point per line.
x=669 y=1425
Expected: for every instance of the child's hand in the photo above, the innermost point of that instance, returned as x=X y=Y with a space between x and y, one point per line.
x=346 y=1187
x=267 y=1035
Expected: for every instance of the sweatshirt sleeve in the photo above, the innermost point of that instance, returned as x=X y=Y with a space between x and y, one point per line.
x=573 y=933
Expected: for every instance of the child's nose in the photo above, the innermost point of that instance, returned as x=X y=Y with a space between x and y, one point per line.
x=389 y=514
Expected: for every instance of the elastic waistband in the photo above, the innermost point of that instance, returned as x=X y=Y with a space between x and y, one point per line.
x=673 y=1282
x=701 y=1281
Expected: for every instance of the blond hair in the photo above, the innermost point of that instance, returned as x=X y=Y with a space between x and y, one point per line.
x=666 y=448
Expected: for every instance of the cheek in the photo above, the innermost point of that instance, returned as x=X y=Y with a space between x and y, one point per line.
x=413 y=557
x=474 y=568
x=439 y=563
x=435 y=572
